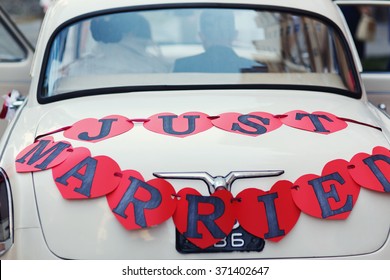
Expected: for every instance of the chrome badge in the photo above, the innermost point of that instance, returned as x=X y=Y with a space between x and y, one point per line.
x=214 y=183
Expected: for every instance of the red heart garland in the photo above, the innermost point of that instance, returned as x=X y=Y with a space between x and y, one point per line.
x=186 y=124
x=267 y=214
x=139 y=204
x=329 y=196
x=320 y=122
x=372 y=171
x=42 y=155
x=252 y=124
x=95 y=130
x=81 y=176
x=203 y=229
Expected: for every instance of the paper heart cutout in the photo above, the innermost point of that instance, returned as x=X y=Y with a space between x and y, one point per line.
x=184 y=125
x=81 y=176
x=42 y=155
x=372 y=171
x=252 y=124
x=204 y=220
x=320 y=122
x=329 y=196
x=95 y=130
x=138 y=204
x=269 y=214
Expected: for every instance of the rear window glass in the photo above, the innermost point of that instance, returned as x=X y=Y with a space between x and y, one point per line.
x=184 y=47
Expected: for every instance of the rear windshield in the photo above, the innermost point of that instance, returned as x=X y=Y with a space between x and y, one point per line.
x=192 y=47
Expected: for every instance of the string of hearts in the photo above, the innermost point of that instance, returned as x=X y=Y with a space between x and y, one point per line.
x=191 y=123
x=204 y=220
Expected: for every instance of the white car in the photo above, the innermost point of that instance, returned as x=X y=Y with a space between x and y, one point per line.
x=219 y=129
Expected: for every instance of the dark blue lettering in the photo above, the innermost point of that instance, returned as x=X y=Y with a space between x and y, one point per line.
x=139 y=205
x=323 y=197
x=104 y=131
x=208 y=220
x=86 y=178
x=272 y=216
x=245 y=119
x=371 y=163
x=38 y=152
x=315 y=119
x=168 y=124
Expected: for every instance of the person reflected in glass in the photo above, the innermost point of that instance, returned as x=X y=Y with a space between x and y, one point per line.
x=124 y=45
x=217 y=33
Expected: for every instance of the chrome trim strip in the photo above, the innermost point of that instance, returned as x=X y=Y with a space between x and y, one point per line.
x=219 y=181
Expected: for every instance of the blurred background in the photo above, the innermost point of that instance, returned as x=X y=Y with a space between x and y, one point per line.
x=27 y=14
x=22 y=7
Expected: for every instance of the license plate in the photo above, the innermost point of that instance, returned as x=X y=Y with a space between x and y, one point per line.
x=238 y=240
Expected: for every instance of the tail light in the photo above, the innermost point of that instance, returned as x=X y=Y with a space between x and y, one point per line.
x=6 y=234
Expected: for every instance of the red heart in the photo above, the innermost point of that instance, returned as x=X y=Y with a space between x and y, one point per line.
x=252 y=124
x=94 y=130
x=364 y=167
x=42 y=155
x=180 y=126
x=81 y=176
x=139 y=204
x=267 y=214
x=320 y=122
x=331 y=196
x=201 y=227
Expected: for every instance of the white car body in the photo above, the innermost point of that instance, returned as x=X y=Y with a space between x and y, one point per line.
x=44 y=225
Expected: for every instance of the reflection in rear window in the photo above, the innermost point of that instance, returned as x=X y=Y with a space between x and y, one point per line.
x=197 y=47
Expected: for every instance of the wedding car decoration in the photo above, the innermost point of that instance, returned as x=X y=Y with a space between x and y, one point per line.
x=204 y=220
x=191 y=123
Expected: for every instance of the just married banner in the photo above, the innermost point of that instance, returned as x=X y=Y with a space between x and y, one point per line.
x=204 y=220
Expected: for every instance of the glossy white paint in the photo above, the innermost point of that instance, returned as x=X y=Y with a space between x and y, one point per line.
x=47 y=226
x=217 y=152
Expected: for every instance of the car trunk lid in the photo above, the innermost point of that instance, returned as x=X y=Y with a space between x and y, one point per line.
x=88 y=228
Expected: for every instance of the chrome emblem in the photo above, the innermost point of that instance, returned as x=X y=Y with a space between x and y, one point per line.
x=214 y=183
